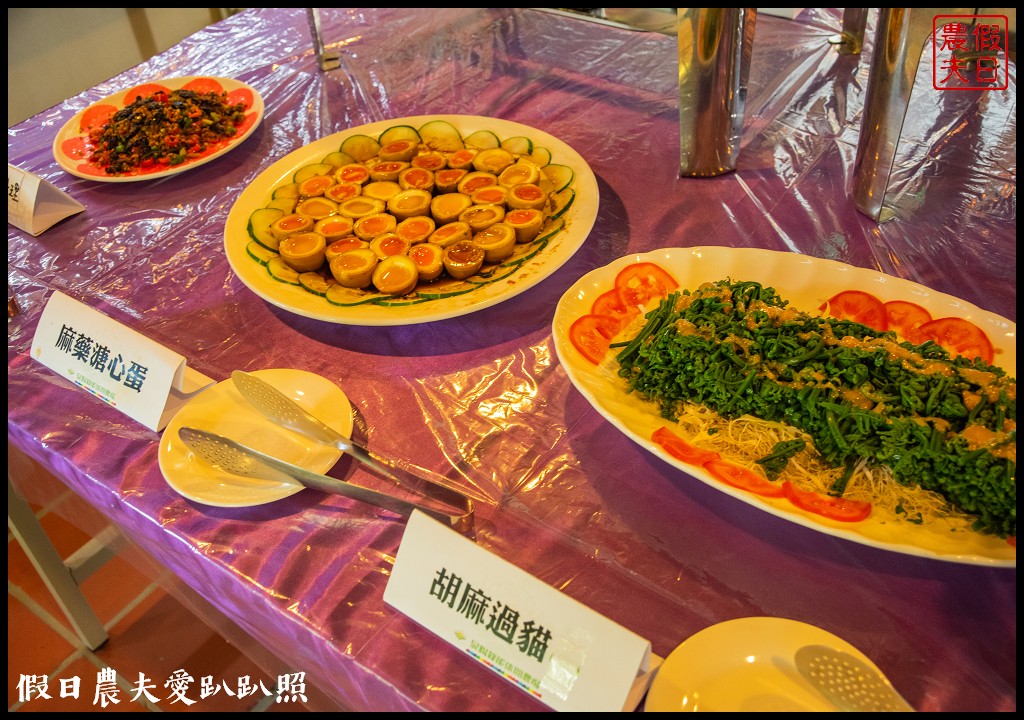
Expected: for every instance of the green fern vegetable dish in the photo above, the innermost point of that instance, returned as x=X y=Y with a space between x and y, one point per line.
x=770 y=378
x=945 y=424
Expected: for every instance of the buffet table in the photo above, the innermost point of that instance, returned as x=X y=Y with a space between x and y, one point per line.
x=481 y=399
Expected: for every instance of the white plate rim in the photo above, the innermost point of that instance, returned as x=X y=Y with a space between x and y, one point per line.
x=193 y=479
x=822 y=279
x=580 y=218
x=71 y=130
x=732 y=643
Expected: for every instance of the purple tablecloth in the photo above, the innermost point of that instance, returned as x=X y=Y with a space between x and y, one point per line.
x=562 y=493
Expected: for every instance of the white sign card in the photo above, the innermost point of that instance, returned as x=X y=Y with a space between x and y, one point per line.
x=33 y=204
x=141 y=378
x=525 y=631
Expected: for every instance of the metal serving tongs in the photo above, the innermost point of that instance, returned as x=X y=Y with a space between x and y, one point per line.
x=286 y=412
x=235 y=458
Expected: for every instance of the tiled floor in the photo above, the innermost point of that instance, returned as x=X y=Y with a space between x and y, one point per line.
x=150 y=633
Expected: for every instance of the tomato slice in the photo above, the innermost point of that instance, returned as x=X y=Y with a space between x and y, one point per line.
x=96 y=116
x=144 y=91
x=959 y=336
x=591 y=335
x=203 y=85
x=611 y=303
x=742 y=478
x=833 y=508
x=640 y=283
x=905 y=318
x=858 y=306
x=241 y=95
x=682 y=450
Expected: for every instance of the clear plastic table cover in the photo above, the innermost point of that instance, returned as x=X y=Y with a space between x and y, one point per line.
x=560 y=492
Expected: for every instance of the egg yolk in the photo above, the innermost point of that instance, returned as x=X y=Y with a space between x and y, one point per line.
x=475 y=183
x=292 y=222
x=352 y=262
x=425 y=256
x=522 y=217
x=315 y=185
x=375 y=224
x=529 y=193
x=412 y=201
x=345 y=244
x=335 y=226
x=489 y=196
x=342 y=191
x=461 y=157
x=417 y=177
x=358 y=206
x=415 y=228
x=301 y=244
x=392 y=245
x=317 y=208
x=353 y=173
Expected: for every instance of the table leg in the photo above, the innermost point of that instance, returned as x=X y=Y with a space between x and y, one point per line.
x=715 y=45
x=900 y=39
x=851 y=39
x=59 y=575
x=328 y=60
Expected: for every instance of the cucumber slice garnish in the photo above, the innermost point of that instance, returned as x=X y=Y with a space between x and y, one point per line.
x=312 y=170
x=282 y=271
x=338 y=158
x=496 y=272
x=441 y=135
x=447 y=290
x=398 y=132
x=555 y=178
x=259 y=226
x=291 y=190
x=315 y=283
x=519 y=145
x=482 y=139
x=259 y=253
x=562 y=201
x=540 y=156
x=550 y=230
x=347 y=297
x=360 y=147
x=283 y=203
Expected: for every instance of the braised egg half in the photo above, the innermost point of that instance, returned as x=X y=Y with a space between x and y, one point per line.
x=396 y=275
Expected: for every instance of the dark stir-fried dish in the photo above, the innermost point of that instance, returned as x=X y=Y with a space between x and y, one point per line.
x=165 y=128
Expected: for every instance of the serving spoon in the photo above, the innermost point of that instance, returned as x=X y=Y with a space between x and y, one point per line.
x=848 y=682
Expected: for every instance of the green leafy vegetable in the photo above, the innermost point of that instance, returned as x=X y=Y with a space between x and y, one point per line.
x=737 y=348
x=775 y=461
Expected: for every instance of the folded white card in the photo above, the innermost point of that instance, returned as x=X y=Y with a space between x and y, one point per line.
x=33 y=204
x=523 y=630
x=123 y=368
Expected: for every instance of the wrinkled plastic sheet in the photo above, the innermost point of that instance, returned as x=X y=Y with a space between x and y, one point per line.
x=560 y=492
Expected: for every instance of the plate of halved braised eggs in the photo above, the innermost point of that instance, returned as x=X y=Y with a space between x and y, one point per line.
x=411 y=220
